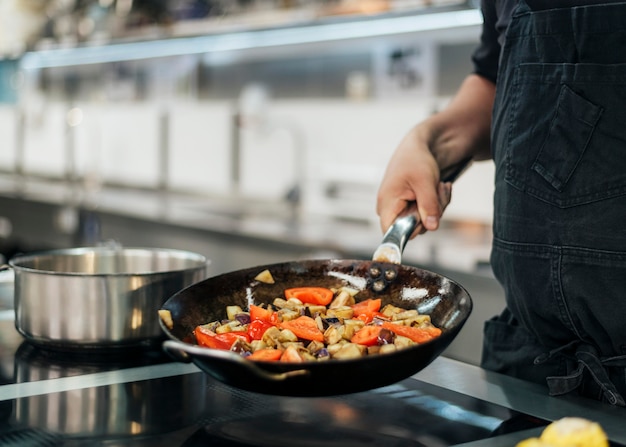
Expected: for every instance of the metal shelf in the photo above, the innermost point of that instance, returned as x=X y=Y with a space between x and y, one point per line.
x=322 y=32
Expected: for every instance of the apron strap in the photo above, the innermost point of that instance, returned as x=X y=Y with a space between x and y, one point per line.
x=589 y=361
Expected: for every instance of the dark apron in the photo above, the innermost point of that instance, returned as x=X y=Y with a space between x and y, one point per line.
x=559 y=249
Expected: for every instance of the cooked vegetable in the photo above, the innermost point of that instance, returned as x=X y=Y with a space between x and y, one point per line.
x=265 y=277
x=210 y=339
x=367 y=310
x=291 y=355
x=316 y=324
x=416 y=334
x=304 y=327
x=166 y=317
x=311 y=295
x=367 y=335
x=266 y=354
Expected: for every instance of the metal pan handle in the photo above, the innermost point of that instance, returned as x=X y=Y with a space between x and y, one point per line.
x=398 y=234
x=186 y=353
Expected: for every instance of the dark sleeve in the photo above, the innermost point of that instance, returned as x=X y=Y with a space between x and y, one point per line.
x=486 y=56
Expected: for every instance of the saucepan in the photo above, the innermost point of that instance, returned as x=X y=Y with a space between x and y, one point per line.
x=447 y=302
x=98 y=297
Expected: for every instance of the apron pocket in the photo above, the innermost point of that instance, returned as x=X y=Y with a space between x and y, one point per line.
x=572 y=151
x=569 y=135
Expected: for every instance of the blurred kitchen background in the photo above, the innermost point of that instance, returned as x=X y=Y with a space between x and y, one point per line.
x=254 y=131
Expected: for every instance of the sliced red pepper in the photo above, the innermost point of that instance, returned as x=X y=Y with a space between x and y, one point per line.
x=256 y=329
x=417 y=334
x=260 y=313
x=266 y=355
x=232 y=337
x=366 y=310
x=312 y=295
x=304 y=327
x=209 y=339
x=367 y=335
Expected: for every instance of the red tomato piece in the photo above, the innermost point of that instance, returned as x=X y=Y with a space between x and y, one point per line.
x=232 y=337
x=311 y=295
x=367 y=335
x=304 y=327
x=259 y=313
x=257 y=328
x=366 y=310
x=417 y=334
x=209 y=339
x=266 y=355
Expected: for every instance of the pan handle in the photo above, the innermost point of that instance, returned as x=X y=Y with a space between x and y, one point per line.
x=186 y=353
x=398 y=234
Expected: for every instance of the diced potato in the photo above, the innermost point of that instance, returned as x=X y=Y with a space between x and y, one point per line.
x=286 y=336
x=265 y=277
x=350 y=351
x=166 y=317
x=257 y=344
x=405 y=315
x=320 y=323
x=385 y=349
x=389 y=310
x=279 y=302
x=372 y=350
x=403 y=342
x=223 y=329
x=291 y=354
x=344 y=312
x=271 y=336
x=314 y=346
x=349 y=327
x=335 y=347
x=420 y=321
x=288 y=314
x=294 y=303
x=231 y=311
x=332 y=335
x=343 y=298
x=350 y=290
x=296 y=344
x=306 y=355
x=316 y=309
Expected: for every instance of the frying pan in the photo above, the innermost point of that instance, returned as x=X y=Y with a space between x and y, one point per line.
x=447 y=302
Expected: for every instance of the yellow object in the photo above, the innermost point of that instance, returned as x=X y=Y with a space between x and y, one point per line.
x=534 y=442
x=569 y=432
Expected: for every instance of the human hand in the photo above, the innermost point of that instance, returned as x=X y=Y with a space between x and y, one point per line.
x=413 y=176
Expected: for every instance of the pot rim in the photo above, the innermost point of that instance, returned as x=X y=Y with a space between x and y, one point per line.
x=200 y=261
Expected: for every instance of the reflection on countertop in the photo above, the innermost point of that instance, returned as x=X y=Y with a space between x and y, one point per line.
x=458 y=245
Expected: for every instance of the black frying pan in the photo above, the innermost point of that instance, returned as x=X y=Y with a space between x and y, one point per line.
x=448 y=304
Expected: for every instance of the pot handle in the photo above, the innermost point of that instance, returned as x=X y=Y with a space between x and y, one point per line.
x=186 y=353
x=4 y=267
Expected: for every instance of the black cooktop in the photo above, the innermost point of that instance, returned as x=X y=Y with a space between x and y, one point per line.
x=191 y=409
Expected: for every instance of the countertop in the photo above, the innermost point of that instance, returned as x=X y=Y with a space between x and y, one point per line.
x=459 y=246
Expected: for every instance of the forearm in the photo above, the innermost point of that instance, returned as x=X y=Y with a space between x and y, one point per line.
x=462 y=129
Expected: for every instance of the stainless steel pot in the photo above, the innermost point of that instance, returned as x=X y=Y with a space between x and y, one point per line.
x=98 y=296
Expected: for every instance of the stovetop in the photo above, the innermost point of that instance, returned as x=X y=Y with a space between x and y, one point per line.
x=52 y=398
